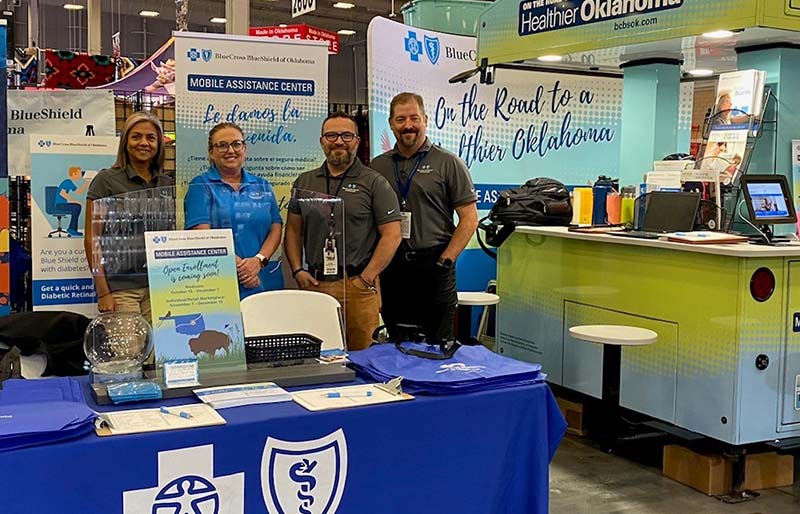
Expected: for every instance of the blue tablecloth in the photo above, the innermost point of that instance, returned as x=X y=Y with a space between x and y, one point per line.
x=479 y=453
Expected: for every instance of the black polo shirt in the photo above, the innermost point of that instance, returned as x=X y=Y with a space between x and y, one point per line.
x=441 y=184
x=368 y=202
x=128 y=206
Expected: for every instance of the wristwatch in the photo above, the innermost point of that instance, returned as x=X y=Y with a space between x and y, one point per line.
x=262 y=259
x=445 y=263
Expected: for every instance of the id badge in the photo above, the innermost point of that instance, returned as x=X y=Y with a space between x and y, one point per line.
x=330 y=258
x=405 y=224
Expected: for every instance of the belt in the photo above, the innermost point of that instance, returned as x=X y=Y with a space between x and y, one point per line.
x=424 y=254
x=352 y=271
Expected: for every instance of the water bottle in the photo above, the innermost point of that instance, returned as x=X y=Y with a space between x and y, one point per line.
x=600 y=191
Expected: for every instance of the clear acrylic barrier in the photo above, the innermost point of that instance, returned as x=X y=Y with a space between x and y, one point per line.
x=194 y=290
x=322 y=244
x=123 y=225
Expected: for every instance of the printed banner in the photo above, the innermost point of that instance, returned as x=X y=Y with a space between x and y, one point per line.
x=276 y=90
x=527 y=124
x=62 y=168
x=69 y=113
x=513 y=30
x=5 y=213
x=194 y=297
x=300 y=31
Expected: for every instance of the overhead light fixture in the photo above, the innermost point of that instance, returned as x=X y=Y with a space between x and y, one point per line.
x=550 y=58
x=344 y=5
x=718 y=34
x=73 y=7
x=700 y=72
x=149 y=14
x=282 y=25
x=345 y=32
x=218 y=20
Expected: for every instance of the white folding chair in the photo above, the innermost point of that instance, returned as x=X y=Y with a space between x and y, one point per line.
x=293 y=311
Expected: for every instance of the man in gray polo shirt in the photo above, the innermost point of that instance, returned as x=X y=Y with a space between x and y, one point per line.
x=343 y=262
x=419 y=285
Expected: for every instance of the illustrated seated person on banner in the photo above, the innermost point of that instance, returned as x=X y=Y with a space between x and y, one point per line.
x=124 y=201
x=67 y=198
x=228 y=196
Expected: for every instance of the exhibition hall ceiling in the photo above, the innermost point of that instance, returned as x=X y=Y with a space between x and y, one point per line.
x=262 y=12
x=717 y=55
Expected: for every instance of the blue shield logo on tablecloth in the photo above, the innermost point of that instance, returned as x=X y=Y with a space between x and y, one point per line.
x=206 y=54
x=432 y=49
x=304 y=477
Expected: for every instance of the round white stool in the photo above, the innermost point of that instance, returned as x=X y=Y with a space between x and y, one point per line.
x=613 y=337
x=466 y=301
x=619 y=335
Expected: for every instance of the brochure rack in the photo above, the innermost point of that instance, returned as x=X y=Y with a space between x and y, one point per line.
x=753 y=127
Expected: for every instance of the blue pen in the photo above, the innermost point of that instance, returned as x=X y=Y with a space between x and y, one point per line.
x=181 y=414
x=339 y=394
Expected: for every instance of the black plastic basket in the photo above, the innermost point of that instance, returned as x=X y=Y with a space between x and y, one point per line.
x=281 y=350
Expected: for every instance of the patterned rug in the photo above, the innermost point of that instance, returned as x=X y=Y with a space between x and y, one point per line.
x=71 y=70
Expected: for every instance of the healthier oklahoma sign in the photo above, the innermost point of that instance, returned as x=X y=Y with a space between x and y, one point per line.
x=536 y=16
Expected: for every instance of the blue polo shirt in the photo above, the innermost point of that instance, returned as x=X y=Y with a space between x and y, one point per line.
x=249 y=212
x=67 y=185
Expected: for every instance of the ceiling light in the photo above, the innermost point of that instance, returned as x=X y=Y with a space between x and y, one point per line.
x=718 y=34
x=218 y=20
x=701 y=72
x=550 y=58
x=346 y=32
x=282 y=25
x=73 y=7
x=149 y=14
x=344 y=5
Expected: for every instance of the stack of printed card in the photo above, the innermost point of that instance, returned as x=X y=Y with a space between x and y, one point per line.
x=243 y=394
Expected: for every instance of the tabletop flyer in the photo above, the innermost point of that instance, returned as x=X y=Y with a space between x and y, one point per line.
x=194 y=296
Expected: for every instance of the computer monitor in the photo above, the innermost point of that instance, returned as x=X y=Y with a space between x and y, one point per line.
x=768 y=199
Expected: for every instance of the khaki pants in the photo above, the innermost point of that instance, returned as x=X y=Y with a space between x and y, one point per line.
x=361 y=307
x=134 y=300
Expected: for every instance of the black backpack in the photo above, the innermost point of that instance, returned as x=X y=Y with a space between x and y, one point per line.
x=539 y=201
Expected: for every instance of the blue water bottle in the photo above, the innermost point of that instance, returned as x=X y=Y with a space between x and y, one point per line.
x=600 y=191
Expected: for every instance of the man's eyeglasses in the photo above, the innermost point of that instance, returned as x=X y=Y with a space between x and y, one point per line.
x=331 y=137
x=223 y=146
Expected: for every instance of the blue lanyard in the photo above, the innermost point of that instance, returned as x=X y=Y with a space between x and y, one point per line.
x=403 y=189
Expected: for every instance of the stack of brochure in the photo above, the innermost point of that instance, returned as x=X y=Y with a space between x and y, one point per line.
x=739 y=94
x=243 y=394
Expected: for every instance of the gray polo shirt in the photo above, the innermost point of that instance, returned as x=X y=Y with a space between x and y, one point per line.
x=128 y=207
x=441 y=184
x=368 y=202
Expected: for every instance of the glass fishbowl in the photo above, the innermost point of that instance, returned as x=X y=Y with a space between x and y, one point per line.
x=117 y=344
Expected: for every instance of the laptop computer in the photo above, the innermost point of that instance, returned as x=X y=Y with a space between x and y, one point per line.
x=666 y=212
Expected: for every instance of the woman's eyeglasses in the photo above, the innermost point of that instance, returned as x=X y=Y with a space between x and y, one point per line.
x=331 y=137
x=223 y=146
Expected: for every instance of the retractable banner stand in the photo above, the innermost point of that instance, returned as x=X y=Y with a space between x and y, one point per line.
x=70 y=113
x=62 y=169
x=527 y=124
x=275 y=90
x=5 y=213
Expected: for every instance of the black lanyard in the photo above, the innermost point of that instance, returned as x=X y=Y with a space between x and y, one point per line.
x=328 y=182
x=332 y=220
x=402 y=188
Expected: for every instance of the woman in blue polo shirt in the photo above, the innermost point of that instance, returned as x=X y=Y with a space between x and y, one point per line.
x=228 y=196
